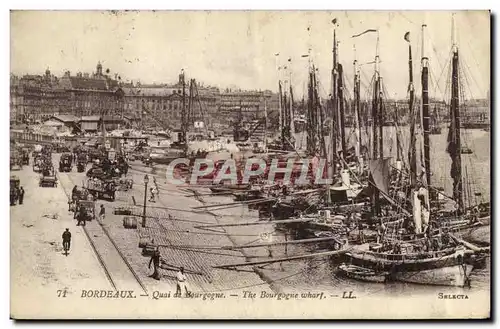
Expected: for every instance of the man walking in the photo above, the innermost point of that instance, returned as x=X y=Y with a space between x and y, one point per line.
x=21 y=195
x=66 y=237
x=155 y=259
x=181 y=283
x=102 y=212
x=81 y=216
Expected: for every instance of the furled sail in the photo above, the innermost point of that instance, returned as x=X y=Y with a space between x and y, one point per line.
x=454 y=145
x=379 y=174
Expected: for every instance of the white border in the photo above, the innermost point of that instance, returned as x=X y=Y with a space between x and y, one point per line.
x=187 y=4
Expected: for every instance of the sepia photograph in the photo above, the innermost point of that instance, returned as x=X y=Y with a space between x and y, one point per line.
x=272 y=164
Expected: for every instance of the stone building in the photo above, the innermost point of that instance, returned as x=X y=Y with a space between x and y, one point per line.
x=161 y=105
x=236 y=105
x=95 y=94
x=35 y=98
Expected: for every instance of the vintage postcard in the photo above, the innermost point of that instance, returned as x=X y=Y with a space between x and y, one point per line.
x=250 y=164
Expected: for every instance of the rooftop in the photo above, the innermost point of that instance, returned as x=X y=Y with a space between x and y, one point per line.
x=66 y=118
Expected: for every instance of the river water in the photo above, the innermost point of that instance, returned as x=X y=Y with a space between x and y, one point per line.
x=319 y=275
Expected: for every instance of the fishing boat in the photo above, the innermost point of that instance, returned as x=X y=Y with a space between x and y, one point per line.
x=427 y=258
x=446 y=267
x=363 y=274
x=230 y=188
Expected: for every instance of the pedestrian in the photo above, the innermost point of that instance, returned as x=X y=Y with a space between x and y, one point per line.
x=74 y=191
x=181 y=283
x=361 y=233
x=81 y=216
x=102 y=212
x=21 y=195
x=155 y=259
x=66 y=237
x=153 y=193
x=13 y=196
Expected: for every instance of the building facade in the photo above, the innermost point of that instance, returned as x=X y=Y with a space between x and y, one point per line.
x=161 y=105
x=95 y=94
x=36 y=98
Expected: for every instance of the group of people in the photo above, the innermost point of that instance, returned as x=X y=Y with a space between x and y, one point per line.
x=180 y=276
x=16 y=194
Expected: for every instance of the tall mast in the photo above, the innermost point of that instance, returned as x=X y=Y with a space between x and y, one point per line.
x=425 y=109
x=292 y=117
x=376 y=106
x=341 y=110
x=183 y=114
x=379 y=100
x=357 y=109
x=412 y=156
x=380 y=119
x=454 y=146
x=398 y=141
x=310 y=116
x=280 y=104
x=334 y=97
x=265 y=124
x=376 y=122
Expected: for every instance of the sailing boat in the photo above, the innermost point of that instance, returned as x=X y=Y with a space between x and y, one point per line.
x=417 y=256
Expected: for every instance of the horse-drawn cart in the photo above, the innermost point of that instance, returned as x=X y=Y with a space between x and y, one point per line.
x=16 y=160
x=37 y=163
x=48 y=178
x=101 y=189
x=86 y=209
x=14 y=189
x=65 y=163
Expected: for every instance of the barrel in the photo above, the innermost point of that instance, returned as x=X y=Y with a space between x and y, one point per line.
x=129 y=222
x=143 y=241
x=122 y=211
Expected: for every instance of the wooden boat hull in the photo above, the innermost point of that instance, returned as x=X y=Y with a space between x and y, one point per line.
x=447 y=267
x=229 y=188
x=247 y=195
x=456 y=275
x=362 y=274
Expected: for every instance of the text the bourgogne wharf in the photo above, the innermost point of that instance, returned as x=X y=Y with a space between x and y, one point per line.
x=301 y=171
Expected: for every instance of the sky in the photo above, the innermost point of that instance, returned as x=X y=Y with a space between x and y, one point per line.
x=237 y=48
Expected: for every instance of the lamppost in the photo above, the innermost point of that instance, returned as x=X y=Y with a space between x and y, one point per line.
x=146 y=181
